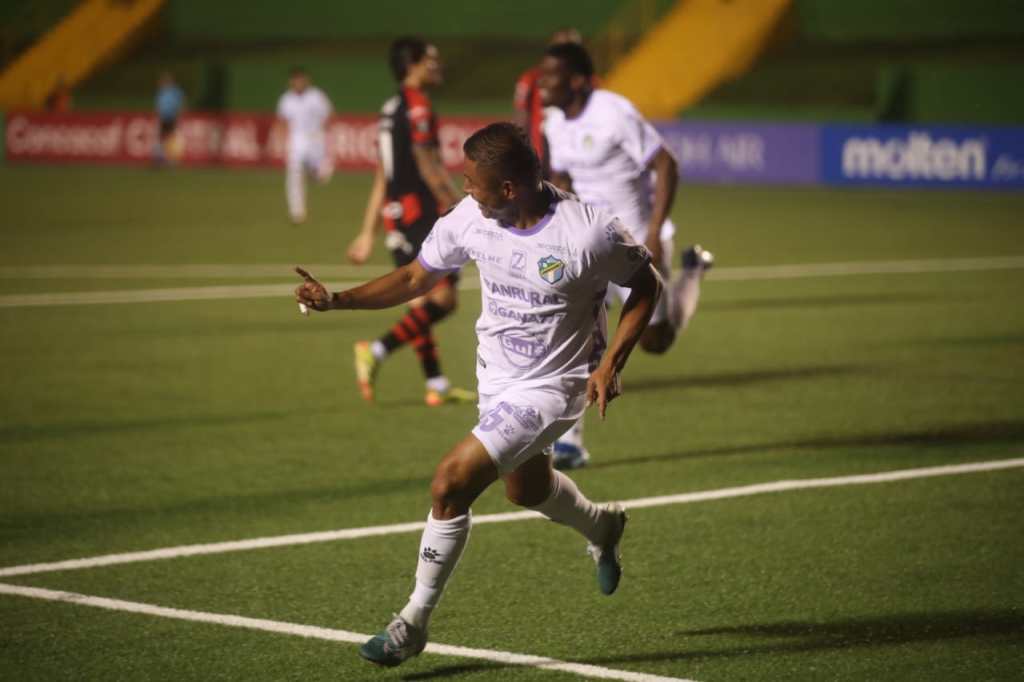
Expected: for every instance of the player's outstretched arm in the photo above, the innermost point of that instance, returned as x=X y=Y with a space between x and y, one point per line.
x=362 y=246
x=398 y=286
x=645 y=288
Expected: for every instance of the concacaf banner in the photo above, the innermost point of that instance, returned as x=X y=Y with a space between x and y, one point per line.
x=200 y=139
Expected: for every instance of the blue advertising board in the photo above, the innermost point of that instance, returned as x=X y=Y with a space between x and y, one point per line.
x=754 y=153
x=923 y=156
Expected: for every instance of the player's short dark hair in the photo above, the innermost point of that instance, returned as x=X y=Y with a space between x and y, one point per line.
x=297 y=71
x=574 y=56
x=405 y=52
x=504 y=149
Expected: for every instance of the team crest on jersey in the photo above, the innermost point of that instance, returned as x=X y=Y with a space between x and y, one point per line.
x=551 y=269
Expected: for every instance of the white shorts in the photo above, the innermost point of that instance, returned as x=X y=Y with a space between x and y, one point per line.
x=521 y=422
x=309 y=156
x=619 y=294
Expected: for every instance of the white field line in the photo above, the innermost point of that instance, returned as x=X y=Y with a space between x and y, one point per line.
x=767 y=272
x=762 y=272
x=186 y=271
x=314 y=632
x=640 y=503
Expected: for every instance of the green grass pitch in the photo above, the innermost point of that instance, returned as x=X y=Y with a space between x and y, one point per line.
x=138 y=426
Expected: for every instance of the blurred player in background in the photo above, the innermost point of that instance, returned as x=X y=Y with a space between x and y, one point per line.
x=601 y=148
x=303 y=109
x=542 y=358
x=529 y=108
x=411 y=189
x=169 y=103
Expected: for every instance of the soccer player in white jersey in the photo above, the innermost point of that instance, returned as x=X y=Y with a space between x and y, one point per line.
x=601 y=148
x=304 y=109
x=545 y=260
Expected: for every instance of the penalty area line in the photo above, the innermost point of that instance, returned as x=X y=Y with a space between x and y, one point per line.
x=506 y=517
x=329 y=634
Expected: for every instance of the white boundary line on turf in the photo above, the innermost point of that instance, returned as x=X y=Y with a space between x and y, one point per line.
x=314 y=632
x=185 y=271
x=641 y=503
x=767 y=272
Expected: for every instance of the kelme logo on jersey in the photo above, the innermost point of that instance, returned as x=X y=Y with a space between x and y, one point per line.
x=551 y=269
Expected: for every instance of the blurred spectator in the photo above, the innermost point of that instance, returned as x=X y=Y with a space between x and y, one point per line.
x=170 y=102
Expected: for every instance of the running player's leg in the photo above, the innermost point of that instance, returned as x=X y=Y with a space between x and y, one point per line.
x=462 y=475
x=661 y=331
x=295 y=185
x=686 y=285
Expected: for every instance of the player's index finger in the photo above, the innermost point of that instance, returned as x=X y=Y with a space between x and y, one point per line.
x=303 y=274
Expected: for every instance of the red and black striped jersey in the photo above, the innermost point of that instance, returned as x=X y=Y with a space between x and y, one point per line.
x=406 y=119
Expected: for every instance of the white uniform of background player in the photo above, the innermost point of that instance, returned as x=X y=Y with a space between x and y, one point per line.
x=608 y=150
x=305 y=109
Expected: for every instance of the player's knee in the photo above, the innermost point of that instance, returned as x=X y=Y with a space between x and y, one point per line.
x=447 y=488
x=518 y=493
x=657 y=340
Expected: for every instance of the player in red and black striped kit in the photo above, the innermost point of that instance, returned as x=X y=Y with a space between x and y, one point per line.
x=527 y=102
x=411 y=190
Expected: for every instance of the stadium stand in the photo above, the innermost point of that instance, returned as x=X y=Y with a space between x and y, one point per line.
x=84 y=40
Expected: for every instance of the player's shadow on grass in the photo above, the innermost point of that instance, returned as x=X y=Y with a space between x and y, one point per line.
x=20 y=433
x=794 y=637
x=661 y=383
x=790 y=637
x=964 y=434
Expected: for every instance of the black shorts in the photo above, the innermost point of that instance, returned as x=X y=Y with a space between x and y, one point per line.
x=415 y=235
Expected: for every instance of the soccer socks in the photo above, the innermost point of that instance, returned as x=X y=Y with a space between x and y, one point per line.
x=441 y=546
x=574 y=436
x=426 y=351
x=685 y=292
x=568 y=506
x=295 y=190
x=416 y=322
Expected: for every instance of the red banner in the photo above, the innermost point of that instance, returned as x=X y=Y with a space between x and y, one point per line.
x=201 y=139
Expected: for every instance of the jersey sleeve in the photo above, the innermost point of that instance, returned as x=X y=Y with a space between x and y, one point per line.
x=421 y=119
x=282 y=107
x=639 y=139
x=442 y=250
x=617 y=256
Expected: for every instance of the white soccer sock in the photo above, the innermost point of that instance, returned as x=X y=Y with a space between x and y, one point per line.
x=569 y=507
x=440 y=548
x=685 y=294
x=439 y=384
x=295 y=189
x=379 y=350
x=574 y=436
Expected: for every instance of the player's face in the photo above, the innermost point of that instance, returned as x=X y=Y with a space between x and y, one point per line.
x=487 y=192
x=298 y=82
x=433 y=71
x=554 y=83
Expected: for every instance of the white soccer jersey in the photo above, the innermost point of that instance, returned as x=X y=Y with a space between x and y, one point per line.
x=306 y=114
x=542 y=289
x=606 y=150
